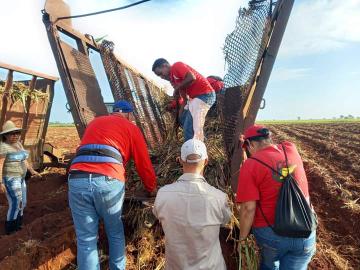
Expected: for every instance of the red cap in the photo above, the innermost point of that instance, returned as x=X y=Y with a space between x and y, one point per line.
x=256 y=131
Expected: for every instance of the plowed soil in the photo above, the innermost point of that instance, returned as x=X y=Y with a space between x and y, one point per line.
x=332 y=161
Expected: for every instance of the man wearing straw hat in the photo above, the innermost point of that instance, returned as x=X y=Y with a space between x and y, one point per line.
x=97 y=183
x=191 y=212
x=13 y=168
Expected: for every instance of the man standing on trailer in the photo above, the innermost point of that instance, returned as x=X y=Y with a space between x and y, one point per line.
x=97 y=183
x=196 y=91
x=257 y=193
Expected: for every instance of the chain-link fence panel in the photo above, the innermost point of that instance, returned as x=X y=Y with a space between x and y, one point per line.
x=127 y=83
x=243 y=51
x=245 y=45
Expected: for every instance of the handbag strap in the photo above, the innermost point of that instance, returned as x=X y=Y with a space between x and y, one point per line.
x=266 y=165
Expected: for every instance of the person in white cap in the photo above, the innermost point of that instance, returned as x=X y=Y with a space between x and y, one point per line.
x=191 y=212
x=13 y=168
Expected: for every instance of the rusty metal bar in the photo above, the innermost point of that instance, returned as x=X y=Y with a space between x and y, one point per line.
x=27 y=71
x=80 y=83
x=5 y=97
x=282 y=12
x=27 y=107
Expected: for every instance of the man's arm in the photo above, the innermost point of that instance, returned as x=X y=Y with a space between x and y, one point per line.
x=142 y=160
x=247 y=213
x=188 y=80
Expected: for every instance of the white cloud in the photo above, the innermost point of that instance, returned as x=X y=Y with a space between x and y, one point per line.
x=287 y=74
x=318 y=26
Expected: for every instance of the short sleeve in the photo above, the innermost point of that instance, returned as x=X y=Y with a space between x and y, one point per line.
x=179 y=69
x=247 y=189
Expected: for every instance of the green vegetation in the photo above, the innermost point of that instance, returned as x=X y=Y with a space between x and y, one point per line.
x=59 y=124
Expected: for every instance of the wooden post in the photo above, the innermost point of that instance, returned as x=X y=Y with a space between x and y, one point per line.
x=5 y=97
x=27 y=108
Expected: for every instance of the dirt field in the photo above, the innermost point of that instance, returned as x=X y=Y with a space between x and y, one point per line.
x=332 y=161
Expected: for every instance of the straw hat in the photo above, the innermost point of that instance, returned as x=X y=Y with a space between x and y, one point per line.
x=9 y=126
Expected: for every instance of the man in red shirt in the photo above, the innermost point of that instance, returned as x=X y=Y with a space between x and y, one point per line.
x=196 y=91
x=257 y=193
x=97 y=183
x=216 y=83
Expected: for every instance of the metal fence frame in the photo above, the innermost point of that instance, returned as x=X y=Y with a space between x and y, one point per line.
x=125 y=82
x=33 y=118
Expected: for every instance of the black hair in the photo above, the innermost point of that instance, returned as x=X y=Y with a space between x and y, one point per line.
x=158 y=63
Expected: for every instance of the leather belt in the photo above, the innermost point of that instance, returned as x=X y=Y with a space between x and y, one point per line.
x=81 y=174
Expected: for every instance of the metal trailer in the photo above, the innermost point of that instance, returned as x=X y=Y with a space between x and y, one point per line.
x=82 y=88
x=31 y=115
x=239 y=105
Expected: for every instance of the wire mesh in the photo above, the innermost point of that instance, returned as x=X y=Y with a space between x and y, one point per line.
x=245 y=45
x=243 y=50
x=127 y=83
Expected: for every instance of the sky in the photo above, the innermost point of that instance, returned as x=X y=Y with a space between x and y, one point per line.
x=316 y=73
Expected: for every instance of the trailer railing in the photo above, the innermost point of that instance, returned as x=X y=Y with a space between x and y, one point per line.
x=82 y=87
x=28 y=103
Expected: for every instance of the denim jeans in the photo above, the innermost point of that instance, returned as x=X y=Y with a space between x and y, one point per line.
x=193 y=117
x=16 y=196
x=186 y=122
x=93 y=198
x=286 y=253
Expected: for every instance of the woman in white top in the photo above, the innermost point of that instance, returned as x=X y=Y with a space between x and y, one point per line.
x=13 y=168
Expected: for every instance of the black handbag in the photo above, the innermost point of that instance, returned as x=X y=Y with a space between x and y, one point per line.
x=294 y=217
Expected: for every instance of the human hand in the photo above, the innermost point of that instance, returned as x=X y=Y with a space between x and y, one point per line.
x=242 y=139
x=35 y=173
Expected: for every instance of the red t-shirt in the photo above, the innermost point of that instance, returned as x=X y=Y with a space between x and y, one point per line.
x=216 y=84
x=123 y=135
x=199 y=87
x=259 y=183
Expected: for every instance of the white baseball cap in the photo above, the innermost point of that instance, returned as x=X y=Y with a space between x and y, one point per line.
x=191 y=147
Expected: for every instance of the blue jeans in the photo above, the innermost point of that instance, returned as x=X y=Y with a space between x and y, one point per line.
x=90 y=199
x=209 y=98
x=186 y=121
x=16 y=196
x=193 y=118
x=286 y=253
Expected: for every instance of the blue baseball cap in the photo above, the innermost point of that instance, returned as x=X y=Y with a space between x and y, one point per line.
x=123 y=106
